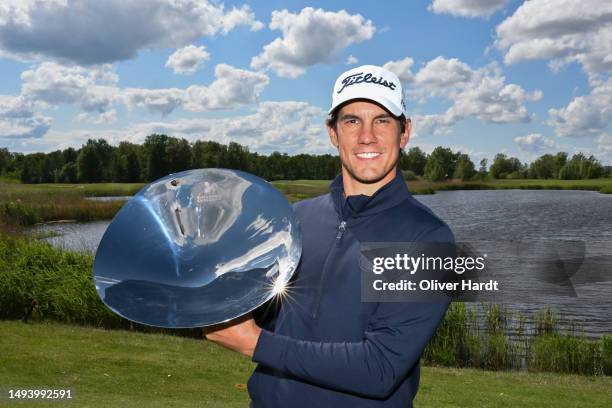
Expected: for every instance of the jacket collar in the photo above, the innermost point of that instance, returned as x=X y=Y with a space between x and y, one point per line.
x=389 y=195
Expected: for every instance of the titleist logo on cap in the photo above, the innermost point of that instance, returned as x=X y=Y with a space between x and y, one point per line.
x=368 y=78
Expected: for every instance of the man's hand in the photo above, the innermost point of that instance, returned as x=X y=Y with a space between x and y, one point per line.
x=239 y=335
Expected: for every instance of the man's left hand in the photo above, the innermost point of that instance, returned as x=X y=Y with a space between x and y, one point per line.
x=239 y=335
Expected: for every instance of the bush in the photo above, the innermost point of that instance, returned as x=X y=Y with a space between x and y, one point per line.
x=61 y=282
x=409 y=175
x=16 y=213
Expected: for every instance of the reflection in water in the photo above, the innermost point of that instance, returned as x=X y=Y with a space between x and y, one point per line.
x=197 y=248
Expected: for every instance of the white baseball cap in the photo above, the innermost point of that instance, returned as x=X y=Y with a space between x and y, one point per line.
x=369 y=82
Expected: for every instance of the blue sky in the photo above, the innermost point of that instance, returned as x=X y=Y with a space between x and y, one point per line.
x=480 y=76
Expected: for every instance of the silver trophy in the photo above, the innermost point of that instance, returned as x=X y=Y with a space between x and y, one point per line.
x=197 y=248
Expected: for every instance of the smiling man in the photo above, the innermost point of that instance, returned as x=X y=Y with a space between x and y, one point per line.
x=324 y=347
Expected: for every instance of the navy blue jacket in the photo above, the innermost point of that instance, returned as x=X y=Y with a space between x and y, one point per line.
x=326 y=348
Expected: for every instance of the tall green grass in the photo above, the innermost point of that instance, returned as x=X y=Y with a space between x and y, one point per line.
x=61 y=284
x=464 y=339
x=27 y=204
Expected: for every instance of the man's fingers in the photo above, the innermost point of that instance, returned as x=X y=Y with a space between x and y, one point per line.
x=222 y=326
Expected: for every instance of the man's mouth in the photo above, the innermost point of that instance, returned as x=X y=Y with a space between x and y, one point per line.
x=368 y=155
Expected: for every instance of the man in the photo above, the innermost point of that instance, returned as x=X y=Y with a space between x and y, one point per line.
x=326 y=348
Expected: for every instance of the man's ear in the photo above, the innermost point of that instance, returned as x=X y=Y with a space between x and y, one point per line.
x=333 y=136
x=406 y=135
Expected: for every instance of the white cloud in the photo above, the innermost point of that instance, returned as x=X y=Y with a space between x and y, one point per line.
x=187 y=60
x=288 y=126
x=161 y=101
x=19 y=121
x=604 y=142
x=436 y=124
x=93 y=32
x=284 y=126
x=441 y=75
x=467 y=8
x=493 y=101
x=534 y=143
x=311 y=37
x=588 y=115
x=561 y=30
x=481 y=93
x=351 y=60
x=232 y=87
x=103 y=118
x=51 y=84
x=94 y=90
x=401 y=68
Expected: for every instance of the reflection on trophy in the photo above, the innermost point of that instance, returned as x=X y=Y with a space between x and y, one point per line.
x=197 y=248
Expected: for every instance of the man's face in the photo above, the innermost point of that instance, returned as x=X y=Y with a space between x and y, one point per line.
x=368 y=140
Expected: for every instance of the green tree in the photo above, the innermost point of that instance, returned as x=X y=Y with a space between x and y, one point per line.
x=5 y=159
x=207 y=154
x=415 y=160
x=464 y=169
x=68 y=173
x=237 y=157
x=581 y=167
x=482 y=170
x=32 y=168
x=93 y=161
x=547 y=166
x=178 y=155
x=440 y=164
x=70 y=155
x=434 y=171
x=504 y=166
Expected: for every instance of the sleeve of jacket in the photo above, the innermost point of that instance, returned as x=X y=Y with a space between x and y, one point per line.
x=391 y=346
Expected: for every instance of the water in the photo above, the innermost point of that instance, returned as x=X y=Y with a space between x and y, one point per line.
x=79 y=236
x=494 y=215
x=110 y=198
x=530 y=215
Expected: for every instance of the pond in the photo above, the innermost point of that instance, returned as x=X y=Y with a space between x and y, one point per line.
x=494 y=215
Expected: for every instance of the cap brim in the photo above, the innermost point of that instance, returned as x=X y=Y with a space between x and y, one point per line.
x=384 y=102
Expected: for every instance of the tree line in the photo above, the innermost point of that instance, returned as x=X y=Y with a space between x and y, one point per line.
x=443 y=164
x=159 y=155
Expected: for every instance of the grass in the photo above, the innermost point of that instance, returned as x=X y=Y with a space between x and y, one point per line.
x=310 y=188
x=463 y=387
x=464 y=339
x=127 y=369
x=27 y=204
x=119 y=368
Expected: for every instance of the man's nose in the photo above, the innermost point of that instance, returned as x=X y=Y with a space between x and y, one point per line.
x=366 y=134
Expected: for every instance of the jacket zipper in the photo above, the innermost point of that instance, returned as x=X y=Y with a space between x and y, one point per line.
x=341 y=230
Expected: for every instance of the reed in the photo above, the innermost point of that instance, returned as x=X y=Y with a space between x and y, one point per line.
x=480 y=337
x=565 y=353
x=30 y=204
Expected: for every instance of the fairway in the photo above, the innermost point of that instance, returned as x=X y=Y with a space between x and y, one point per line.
x=127 y=369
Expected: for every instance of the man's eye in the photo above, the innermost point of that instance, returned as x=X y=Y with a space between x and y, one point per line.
x=383 y=121
x=351 y=121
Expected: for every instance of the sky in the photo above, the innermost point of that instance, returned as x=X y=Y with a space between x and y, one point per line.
x=522 y=78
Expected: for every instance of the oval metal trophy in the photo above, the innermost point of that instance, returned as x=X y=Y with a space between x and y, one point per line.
x=197 y=248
